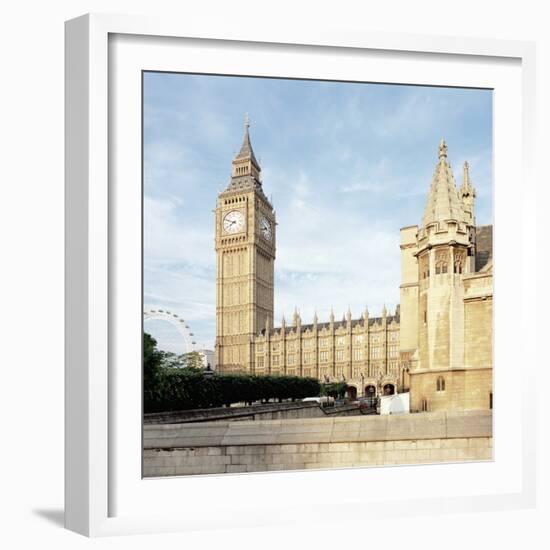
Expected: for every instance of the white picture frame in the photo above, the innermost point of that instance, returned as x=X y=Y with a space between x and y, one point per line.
x=100 y=436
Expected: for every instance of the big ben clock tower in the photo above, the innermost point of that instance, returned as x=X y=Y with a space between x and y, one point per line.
x=245 y=256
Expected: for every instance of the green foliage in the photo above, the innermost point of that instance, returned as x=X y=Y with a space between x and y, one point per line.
x=191 y=360
x=152 y=362
x=168 y=389
x=180 y=389
x=172 y=360
x=334 y=389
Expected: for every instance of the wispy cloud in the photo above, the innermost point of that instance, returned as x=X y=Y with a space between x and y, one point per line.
x=347 y=165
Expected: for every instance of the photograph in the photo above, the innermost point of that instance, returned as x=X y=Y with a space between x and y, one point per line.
x=317 y=274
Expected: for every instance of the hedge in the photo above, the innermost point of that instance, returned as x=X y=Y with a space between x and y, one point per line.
x=181 y=389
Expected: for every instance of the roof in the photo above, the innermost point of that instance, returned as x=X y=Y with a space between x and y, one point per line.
x=337 y=324
x=443 y=200
x=245 y=183
x=246 y=151
x=249 y=180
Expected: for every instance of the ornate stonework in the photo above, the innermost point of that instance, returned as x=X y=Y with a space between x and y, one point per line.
x=245 y=255
x=438 y=342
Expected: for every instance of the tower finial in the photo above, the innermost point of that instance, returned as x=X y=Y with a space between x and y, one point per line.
x=466 y=180
x=296 y=317
x=467 y=196
x=246 y=122
x=442 y=149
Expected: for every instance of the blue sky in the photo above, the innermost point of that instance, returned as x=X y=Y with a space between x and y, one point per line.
x=346 y=164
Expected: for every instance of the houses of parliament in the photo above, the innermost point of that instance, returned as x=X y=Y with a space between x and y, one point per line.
x=437 y=344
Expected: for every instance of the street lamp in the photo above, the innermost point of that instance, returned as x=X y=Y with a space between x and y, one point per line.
x=379 y=383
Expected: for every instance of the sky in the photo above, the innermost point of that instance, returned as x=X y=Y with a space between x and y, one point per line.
x=346 y=165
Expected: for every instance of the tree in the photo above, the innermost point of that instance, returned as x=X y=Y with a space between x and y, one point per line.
x=334 y=389
x=172 y=360
x=189 y=388
x=152 y=362
x=193 y=360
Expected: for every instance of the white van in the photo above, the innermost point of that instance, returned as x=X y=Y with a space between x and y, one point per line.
x=325 y=400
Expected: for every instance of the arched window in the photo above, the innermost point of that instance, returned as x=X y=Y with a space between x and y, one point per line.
x=424 y=405
x=440 y=383
x=440 y=267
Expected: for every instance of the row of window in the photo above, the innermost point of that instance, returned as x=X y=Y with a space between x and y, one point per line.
x=309 y=358
x=340 y=355
x=441 y=268
x=324 y=343
x=392 y=367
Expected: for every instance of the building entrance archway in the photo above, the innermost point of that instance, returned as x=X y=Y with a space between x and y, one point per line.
x=370 y=391
x=352 y=392
x=388 y=389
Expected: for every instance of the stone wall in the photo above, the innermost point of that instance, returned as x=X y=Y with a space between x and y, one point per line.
x=229 y=447
x=458 y=389
x=478 y=321
x=270 y=411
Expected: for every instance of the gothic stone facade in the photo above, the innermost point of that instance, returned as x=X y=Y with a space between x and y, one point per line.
x=438 y=342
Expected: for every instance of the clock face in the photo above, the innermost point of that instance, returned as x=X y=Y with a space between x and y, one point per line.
x=233 y=222
x=265 y=228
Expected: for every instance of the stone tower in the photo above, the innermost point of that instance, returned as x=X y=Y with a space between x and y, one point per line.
x=245 y=256
x=437 y=259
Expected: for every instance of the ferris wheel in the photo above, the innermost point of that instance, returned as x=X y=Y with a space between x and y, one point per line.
x=174 y=319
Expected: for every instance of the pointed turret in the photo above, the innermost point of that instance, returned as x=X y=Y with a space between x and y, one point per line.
x=443 y=201
x=315 y=319
x=467 y=196
x=246 y=152
x=296 y=320
x=245 y=173
x=331 y=317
